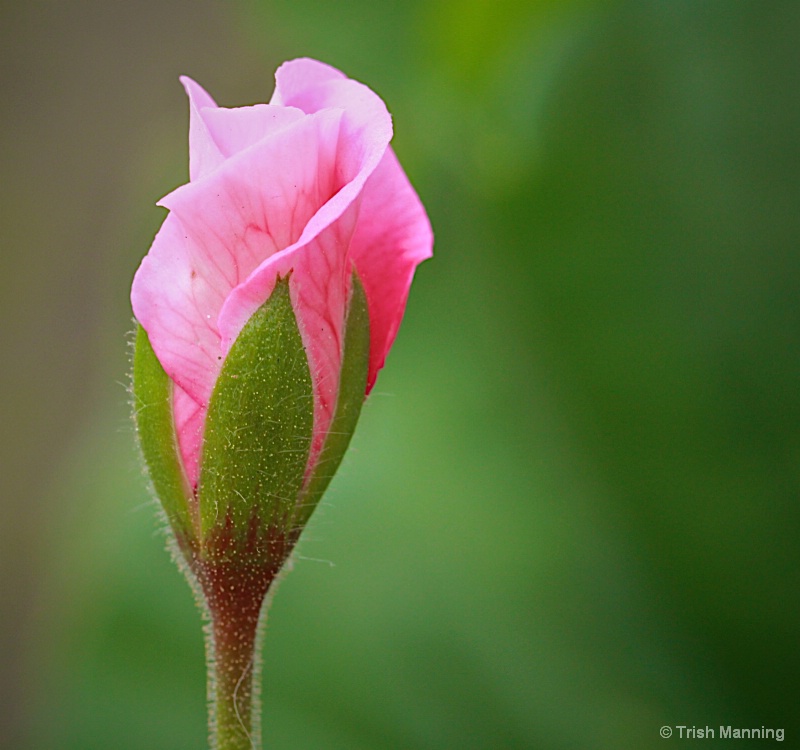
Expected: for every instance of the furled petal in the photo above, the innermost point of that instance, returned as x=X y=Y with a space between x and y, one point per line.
x=189 y=417
x=174 y=296
x=367 y=126
x=295 y=78
x=220 y=228
x=234 y=130
x=392 y=237
x=204 y=154
x=217 y=133
x=393 y=233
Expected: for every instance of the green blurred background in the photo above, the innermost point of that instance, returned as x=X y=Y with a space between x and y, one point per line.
x=570 y=513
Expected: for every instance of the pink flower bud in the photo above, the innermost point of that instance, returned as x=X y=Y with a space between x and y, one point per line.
x=305 y=188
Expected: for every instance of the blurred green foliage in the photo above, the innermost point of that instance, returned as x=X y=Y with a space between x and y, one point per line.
x=570 y=512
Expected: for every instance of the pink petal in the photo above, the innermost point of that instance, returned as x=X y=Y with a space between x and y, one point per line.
x=235 y=130
x=189 y=418
x=217 y=133
x=295 y=77
x=392 y=237
x=171 y=291
x=367 y=126
x=204 y=154
x=393 y=233
x=220 y=228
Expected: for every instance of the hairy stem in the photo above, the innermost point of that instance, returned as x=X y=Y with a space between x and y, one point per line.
x=235 y=597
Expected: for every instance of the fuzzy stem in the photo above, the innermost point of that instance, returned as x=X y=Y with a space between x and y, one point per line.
x=235 y=598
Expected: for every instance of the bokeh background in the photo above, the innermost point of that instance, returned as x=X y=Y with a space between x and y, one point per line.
x=570 y=513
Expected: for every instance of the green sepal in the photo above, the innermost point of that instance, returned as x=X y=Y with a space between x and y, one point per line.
x=152 y=393
x=352 y=391
x=257 y=435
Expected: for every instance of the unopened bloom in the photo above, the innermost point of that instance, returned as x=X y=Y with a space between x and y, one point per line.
x=303 y=191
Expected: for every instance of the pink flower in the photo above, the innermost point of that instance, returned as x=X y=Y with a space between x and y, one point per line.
x=306 y=185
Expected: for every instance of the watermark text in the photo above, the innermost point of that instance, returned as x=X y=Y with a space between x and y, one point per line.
x=684 y=732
